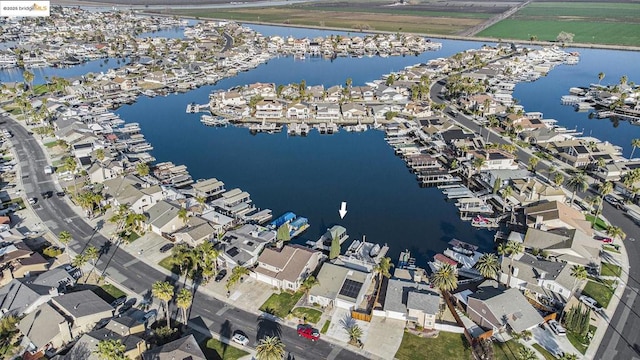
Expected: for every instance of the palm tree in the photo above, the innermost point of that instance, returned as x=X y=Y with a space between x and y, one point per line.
x=99 y=154
x=513 y=248
x=445 y=278
x=600 y=77
x=142 y=169
x=533 y=162
x=92 y=255
x=183 y=301
x=623 y=79
x=79 y=260
x=28 y=78
x=605 y=189
x=506 y=192
x=163 y=290
x=579 y=273
x=111 y=349
x=577 y=182
x=70 y=164
x=524 y=353
x=183 y=215
x=65 y=238
x=558 y=179
x=355 y=333
x=382 y=269
x=270 y=348
x=201 y=200
x=308 y=284
x=488 y=265
x=567 y=356
x=635 y=143
x=237 y=274
x=616 y=232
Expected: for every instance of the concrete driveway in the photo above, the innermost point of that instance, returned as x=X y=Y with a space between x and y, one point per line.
x=551 y=342
x=384 y=331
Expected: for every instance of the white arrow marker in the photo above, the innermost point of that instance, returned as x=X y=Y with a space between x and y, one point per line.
x=343 y=210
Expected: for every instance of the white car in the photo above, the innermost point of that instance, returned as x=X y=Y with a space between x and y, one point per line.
x=557 y=328
x=240 y=339
x=590 y=303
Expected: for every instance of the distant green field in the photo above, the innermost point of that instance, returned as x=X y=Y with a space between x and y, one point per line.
x=591 y=22
x=585 y=31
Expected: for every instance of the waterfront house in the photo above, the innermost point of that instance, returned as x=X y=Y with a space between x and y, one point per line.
x=231 y=98
x=286 y=268
x=208 y=189
x=242 y=246
x=543 y=280
x=573 y=152
x=496 y=159
x=410 y=301
x=45 y=329
x=183 y=348
x=556 y=215
x=353 y=111
x=196 y=231
x=99 y=173
x=542 y=135
x=328 y=112
x=125 y=325
x=269 y=109
x=531 y=190
x=220 y=222
x=614 y=171
x=569 y=245
x=340 y=286
x=298 y=111
x=130 y=190
x=84 y=308
x=497 y=309
x=234 y=202
x=163 y=219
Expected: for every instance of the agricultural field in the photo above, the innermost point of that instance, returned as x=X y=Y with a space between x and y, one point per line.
x=427 y=17
x=615 y=23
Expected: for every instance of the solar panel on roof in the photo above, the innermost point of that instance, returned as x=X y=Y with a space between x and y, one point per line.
x=350 y=288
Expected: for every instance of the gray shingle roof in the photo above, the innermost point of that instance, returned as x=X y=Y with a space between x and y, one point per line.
x=181 y=349
x=81 y=303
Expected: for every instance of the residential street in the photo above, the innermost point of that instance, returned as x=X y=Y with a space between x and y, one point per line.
x=137 y=276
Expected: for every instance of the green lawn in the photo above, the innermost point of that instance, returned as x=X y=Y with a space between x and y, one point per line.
x=108 y=292
x=580 y=343
x=600 y=292
x=112 y=290
x=591 y=22
x=611 y=248
x=547 y=355
x=445 y=346
x=309 y=314
x=281 y=304
x=51 y=144
x=610 y=270
x=507 y=350
x=599 y=225
x=214 y=349
x=325 y=327
x=168 y=264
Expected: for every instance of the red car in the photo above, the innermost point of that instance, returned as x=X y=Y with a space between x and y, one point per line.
x=607 y=240
x=307 y=331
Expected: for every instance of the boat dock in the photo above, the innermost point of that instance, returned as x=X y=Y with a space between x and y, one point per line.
x=194 y=108
x=214 y=120
x=324 y=242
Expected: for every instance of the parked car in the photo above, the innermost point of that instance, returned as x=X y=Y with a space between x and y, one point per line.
x=607 y=240
x=166 y=247
x=60 y=193
x=32 y=200
x=615 y=202
x=221 y=274
x=47 y=194
x=127 y=305
x=149 y=317
x=119 y=301
x=240 y=339
x=557 y=328
x=590 y=302
x=307 y=331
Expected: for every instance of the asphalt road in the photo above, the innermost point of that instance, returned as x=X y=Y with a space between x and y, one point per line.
x=622 y=339
x=137 y=276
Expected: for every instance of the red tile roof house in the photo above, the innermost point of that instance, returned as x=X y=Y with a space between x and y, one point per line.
x=286 y=268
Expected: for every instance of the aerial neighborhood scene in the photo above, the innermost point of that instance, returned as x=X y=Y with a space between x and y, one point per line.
x=319 y=179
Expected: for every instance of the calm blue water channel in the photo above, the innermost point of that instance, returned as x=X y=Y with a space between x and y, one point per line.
x=311 y=176
x=41 y=74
